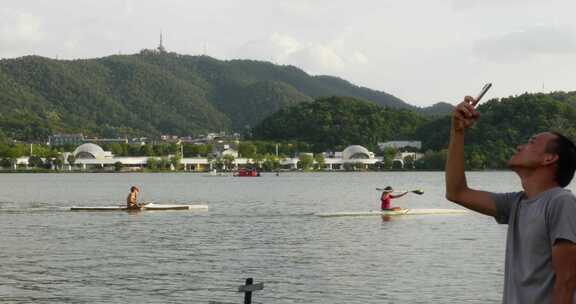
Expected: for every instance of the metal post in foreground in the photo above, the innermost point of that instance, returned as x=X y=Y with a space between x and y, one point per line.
x=248 y=288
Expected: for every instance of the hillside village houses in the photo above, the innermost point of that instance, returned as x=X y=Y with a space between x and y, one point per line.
x=89 y=155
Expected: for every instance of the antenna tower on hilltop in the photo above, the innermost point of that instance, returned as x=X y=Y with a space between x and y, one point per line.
x=161 y=48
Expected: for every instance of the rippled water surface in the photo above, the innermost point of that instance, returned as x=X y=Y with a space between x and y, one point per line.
x=256 y=227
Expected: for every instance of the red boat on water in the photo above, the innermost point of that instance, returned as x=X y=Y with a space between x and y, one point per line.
x=243 y=172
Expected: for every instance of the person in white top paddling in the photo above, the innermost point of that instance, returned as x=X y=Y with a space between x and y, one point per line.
x=540 y=263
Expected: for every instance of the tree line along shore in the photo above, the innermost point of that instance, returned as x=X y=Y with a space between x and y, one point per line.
x=331 y=124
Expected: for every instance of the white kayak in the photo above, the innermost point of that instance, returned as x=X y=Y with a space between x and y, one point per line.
x=147 y=207
x=393 y=212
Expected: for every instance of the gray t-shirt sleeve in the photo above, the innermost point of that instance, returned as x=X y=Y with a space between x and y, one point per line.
x=561 y=218
x=504 y=202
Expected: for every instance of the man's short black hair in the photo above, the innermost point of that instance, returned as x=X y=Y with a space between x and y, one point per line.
x=566 y=151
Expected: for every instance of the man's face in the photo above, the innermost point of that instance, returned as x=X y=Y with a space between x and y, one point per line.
x=533 y=153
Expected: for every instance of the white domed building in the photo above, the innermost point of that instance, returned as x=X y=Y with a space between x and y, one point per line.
x=90 y=155
x=356 y=153
x=91 y=151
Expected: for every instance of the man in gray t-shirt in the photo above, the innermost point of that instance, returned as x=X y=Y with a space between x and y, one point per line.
x=540 y=264
x=534 y=226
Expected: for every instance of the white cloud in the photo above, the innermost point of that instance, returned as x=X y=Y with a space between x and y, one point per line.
x=314 y=57
x=359 y=58
x=296 y=7
x=128 y=7
x=284 y=45
x=20 y=33
x=20 y=27
x=469 y=4
x=525 y=44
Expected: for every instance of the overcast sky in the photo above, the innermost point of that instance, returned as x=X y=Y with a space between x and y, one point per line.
x=422 y=51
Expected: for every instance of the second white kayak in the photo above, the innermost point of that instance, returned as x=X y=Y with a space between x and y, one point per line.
x=392 y=212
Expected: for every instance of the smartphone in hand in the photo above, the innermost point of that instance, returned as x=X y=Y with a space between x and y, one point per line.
x=481 y=94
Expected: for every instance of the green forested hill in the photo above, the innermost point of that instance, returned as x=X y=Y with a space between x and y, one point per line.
x=153 y=93
x=336 y=122
x=333 y=123
x=438 y=109
x=504 y=123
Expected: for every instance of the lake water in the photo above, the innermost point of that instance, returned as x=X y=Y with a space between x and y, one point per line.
x=256 y=227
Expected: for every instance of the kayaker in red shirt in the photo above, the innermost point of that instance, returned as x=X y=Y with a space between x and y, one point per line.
x=387 y=197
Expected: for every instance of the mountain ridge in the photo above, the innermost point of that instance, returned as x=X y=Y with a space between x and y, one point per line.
x=153 y=93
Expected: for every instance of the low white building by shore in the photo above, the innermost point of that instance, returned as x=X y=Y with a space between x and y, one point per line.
x=91 y=156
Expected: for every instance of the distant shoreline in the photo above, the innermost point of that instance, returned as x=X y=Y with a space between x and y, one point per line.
x=47 y=171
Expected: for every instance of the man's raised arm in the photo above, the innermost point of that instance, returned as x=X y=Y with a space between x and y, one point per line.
x=463 y=117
